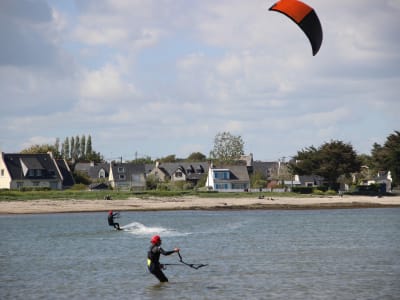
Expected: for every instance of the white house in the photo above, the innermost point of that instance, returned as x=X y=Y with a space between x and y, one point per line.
x=228 y=178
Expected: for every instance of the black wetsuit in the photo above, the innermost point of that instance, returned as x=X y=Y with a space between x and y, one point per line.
x=111 y=221
x=153 y=261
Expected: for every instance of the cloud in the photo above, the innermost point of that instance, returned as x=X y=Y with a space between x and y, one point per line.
x=163 y=77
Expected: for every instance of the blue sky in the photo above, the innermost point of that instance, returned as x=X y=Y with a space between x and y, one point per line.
x=164 y=77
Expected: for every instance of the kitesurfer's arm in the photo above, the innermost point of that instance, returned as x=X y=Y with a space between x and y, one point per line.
x=163 y=252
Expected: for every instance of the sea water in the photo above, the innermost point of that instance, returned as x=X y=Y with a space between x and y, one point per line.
x=251 y=254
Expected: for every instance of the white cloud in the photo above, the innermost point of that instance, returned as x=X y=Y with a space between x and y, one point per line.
x=164 y=77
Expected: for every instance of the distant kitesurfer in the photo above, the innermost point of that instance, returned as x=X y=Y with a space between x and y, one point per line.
x=153 y=258
x=111 y=216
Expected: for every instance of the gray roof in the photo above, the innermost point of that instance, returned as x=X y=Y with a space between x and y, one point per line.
x=316 y=179
x=188 y=168
x=32 y=162
x=264 y=168
x=92 y=169
x=238 y=173
x=68 y=179
x=129 y=170
x=42 y=161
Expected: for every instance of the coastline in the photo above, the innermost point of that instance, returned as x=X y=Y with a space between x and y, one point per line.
x=194 y=203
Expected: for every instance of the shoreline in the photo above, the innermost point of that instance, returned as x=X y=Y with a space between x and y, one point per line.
x=44 y=206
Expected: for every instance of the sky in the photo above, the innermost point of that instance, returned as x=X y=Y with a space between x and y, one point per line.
x=152 y=78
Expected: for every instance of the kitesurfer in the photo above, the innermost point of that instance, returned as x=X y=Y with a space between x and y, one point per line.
x=153 y=258
x=111 y=216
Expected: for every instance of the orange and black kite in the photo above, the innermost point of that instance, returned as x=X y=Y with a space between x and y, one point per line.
x=305 y=17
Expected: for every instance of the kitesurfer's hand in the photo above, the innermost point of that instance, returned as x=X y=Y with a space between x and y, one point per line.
x=163 y=267
x=176 y=249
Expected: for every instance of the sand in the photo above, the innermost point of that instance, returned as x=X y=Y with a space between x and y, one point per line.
x=194 y=203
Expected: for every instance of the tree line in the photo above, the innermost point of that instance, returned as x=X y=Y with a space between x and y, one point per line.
x=338 y=162
x=335 y=161
x=73 y=149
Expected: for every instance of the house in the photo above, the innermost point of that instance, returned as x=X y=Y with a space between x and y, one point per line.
x=269 y=170
x=385 y=178
x=382 y=178
x=248 y=160
x=34 y=171
x=68 y=178
x=127 y=176
x=228 y=178
x=95 y=171
x=180 y=171
x=306 y=180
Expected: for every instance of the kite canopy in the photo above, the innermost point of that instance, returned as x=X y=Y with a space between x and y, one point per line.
x=305 y=17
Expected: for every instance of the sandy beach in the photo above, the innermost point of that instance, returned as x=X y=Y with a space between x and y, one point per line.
x=194 y=203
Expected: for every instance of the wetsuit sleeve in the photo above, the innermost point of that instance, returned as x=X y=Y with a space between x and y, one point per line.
x=163 y=252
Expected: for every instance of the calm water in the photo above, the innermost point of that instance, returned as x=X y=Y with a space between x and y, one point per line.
x=316 y=254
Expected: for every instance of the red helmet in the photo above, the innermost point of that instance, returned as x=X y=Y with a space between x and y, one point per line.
x=155 y=239
x=110 y=212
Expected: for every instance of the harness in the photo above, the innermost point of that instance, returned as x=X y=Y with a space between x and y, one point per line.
x=151 y=255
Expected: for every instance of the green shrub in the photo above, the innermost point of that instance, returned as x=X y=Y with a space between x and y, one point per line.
x=318 y=192
x=79 y=187
x=331 y=193
x=34 y=188
x=303 y=189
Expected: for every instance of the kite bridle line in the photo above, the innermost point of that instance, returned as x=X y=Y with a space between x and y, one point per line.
x=182 y=263
x=193 y=266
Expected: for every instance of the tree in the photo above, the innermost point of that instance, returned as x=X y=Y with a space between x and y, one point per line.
x=387 y=157
x=77 y=148
x=89 y=148
x=57 y=147
x=36 y=149
x=66 y=153
x=83 y=147
x=331 y=160
x=168 y=159
x=258 y=180
x=72 y=148
x=196 y=156
x=227 y=147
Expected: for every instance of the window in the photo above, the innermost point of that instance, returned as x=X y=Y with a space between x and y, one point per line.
x=221 y=186
x=121 y=176
x=102 y=173
x=221 y=174
x=121 y=169
x=239 y=186
x=2 y=172
x=178 y=174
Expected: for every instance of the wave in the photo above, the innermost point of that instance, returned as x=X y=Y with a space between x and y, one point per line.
x=141 y=229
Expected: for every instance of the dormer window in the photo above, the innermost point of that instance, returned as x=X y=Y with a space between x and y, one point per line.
x=221 y=174
x=121 y=169
x=36 y=173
